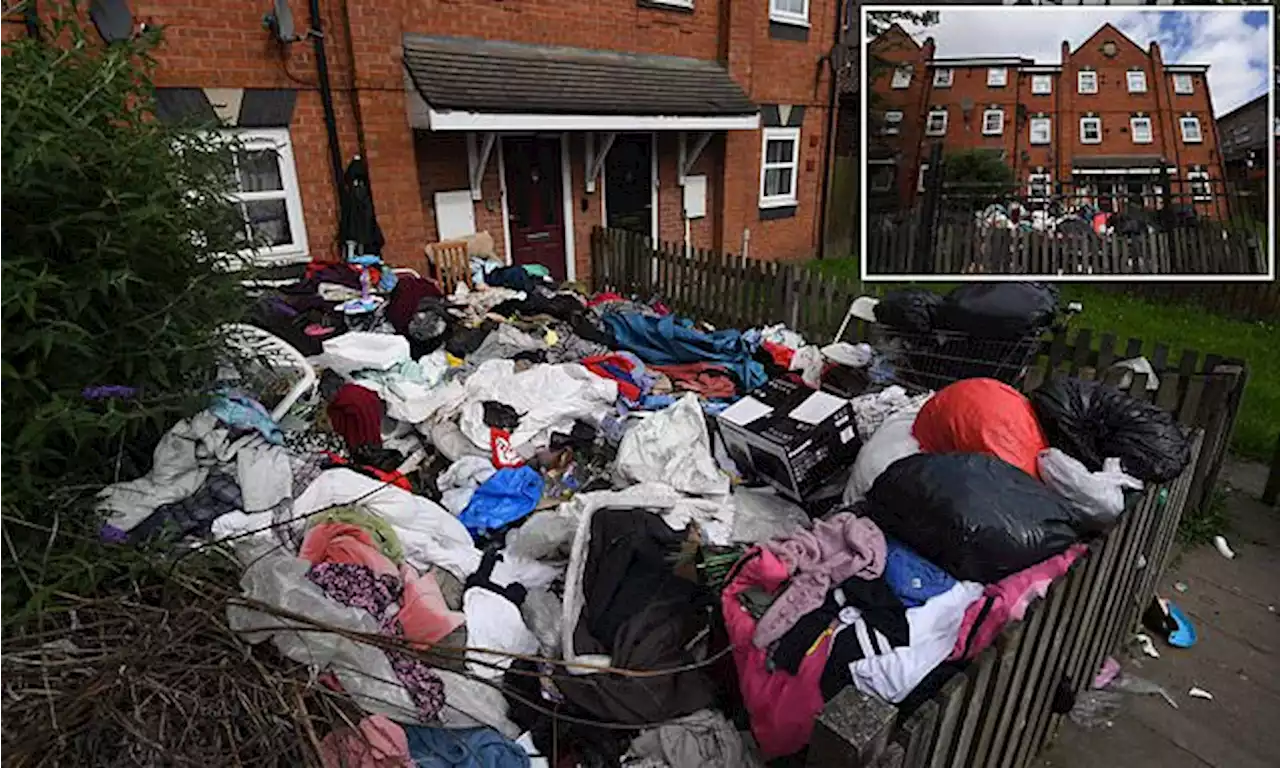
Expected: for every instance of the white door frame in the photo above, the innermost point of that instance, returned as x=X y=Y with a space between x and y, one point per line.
x=566 y=195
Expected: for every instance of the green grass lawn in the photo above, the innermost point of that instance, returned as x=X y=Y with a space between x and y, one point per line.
x=1180 y=327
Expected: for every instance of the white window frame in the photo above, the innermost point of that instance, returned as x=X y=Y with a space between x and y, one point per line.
x=1048 y=133
x=780 y=134
x=924 y=167
x=1134 y=122
x=1200 y=197
x=1183 y=122
x=1184 y=84
x=986 y=120
x=899 y=81
x=997 y=77
x=1041 y=85
x=893 y=177
x=1039 y=178
x=928 y=121
x=1136 y=81
x=279 y=140
x=895 y=124
x=786 y=16
x=1091 y=76
x=674 y=3
x=1097 y=121
x=943 y=77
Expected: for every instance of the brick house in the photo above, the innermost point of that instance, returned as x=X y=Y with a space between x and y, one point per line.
x=531 y=119
x=1100 y=125
x=1245 y=135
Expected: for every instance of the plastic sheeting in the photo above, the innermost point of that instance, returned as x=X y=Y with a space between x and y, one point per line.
x=357 y=350
x=892 y=441
x=661 y=341
x=982 y=416
x=1097 y=496
x=975 y=516
x=672 y=446
x=998 y=310
x=507 y=496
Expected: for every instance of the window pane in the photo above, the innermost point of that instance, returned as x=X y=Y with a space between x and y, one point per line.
x=777 y=181
x=259 y=171
x=790 y=6
x=269 y=222
x=778 y=151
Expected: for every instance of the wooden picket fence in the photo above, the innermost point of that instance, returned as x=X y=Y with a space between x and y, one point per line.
x=996 y=712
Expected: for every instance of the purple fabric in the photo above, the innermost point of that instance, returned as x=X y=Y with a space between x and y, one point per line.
x=113 y=535
x=109 y=392
x=835 y=550
x=357 y=586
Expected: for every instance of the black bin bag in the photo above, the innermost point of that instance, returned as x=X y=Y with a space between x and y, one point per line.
x=975 y=516
x=908 y=309
x=1092 y=421
x=998 y=310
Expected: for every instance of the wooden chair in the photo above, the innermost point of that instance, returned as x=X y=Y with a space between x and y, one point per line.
x=451 y=263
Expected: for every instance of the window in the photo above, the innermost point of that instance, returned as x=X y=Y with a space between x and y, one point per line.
x=1201 y=189
x=674 y=3
x=1087 y=82
x=789 y=12
x=942 y=78
x=902 y=77
x=781 y=162
x=924 y=168
x=1090 y=130
x=268 y=198
x=1140 y=127
x=892 y=123
x=1183 y=84
x=1039 y=187
x=1190 y=129
x=1041 y=84
x=1137 y=81
x=993 y=122
x=936 y=125
x=997 y=77
x=882 y=176
x=1040 y=128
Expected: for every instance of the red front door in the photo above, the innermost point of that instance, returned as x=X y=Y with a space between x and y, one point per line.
x=534 y=202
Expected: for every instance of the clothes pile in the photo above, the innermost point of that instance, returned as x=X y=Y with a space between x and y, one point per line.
x=525 y=494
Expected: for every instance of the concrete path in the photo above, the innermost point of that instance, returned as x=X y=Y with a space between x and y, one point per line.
x=1233 y=604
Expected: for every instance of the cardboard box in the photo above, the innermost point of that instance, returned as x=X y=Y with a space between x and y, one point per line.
x=790 y=436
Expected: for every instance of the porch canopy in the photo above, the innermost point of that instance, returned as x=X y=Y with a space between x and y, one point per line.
x=468 y=84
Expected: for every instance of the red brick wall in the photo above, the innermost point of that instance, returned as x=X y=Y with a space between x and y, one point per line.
x=897 y=47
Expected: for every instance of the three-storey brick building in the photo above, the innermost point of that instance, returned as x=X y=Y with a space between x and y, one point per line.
x=531 y=119
x=1113 y=120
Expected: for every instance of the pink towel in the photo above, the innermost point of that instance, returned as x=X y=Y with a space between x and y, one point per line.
x=376 y=743
x=345 y=543
x=424 y=615
x=835 y=550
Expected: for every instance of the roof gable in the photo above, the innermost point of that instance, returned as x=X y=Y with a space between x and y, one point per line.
x=1105 y=32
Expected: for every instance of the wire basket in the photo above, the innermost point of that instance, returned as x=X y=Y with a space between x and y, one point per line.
x=937 y=358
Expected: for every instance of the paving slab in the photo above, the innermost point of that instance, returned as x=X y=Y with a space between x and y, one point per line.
x=1233 y=605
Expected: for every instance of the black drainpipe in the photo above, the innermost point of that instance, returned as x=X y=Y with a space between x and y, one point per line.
x=31 y=18
x=326 y=97
x=833 y=97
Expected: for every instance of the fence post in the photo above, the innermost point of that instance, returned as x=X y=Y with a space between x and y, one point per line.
x=929 y=212
x=852 y=731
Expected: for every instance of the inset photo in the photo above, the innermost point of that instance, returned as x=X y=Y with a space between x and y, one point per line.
x=1068 y=143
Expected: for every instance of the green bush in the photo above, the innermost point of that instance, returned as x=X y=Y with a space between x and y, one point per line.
x=113 y=222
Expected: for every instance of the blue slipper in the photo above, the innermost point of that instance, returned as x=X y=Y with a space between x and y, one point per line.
x=1185 y=635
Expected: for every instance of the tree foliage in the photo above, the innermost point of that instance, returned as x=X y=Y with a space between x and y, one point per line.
x=112 y=282
x=976 y=178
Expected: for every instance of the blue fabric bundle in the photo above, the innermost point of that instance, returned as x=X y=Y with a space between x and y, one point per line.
x=663 y=341
x=506 y=497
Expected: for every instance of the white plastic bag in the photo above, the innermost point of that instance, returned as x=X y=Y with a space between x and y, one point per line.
x=892 y=441
x=1098 y=496
x=672 y=447
x=357 y=350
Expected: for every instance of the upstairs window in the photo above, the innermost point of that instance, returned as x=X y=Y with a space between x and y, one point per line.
x=1137 y=81
x=789 y=12
x=1087 y=82
x=1190 y=130
x=892 y=123
x=902 y=77
x=942 y=78
x=1140 y=127
x=1041 y=84
x=997 y=77
x=993 y=122
x=1040 y=130
x=1183 y=85
x=1090 y=130
x=936 y=124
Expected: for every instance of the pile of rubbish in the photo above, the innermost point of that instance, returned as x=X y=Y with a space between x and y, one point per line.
x=1084 y=220
x=527 y=525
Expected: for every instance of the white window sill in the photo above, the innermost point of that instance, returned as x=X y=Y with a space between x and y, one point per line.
x=1192 y=141
x=1039 y=143
x=682 y=4
x=935 y=133
x=1083 y=141
x=993 y=133
x=1142 y=141
x=795 y=21
x=778 y=202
